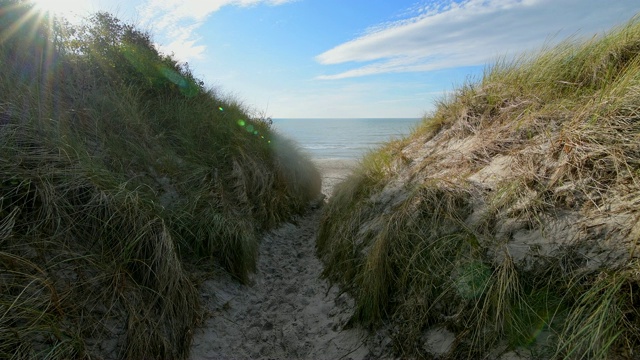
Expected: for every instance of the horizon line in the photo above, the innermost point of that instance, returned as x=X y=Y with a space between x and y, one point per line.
x=329 y=118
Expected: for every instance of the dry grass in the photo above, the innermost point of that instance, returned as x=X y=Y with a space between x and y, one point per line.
x=119 y=171
x=510 y=216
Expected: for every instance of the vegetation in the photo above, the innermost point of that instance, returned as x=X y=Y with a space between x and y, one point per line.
x=119 y=172
x=509 y=218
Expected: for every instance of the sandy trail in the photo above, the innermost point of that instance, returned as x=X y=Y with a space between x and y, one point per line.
x=288 y=312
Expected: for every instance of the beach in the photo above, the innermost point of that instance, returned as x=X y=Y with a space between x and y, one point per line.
x=333 y=171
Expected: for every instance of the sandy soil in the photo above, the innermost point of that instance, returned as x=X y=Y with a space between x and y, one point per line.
x=287 y=312
x=333 y=171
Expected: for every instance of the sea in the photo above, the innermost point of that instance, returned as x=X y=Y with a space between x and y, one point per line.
x=348 y=139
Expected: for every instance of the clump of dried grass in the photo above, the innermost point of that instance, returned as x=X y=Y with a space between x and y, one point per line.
x=508 y=217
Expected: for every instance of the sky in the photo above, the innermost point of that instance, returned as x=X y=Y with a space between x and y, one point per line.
x=352 y=58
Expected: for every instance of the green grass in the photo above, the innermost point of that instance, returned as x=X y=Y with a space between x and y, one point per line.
x=119 y=172
x=524 y=256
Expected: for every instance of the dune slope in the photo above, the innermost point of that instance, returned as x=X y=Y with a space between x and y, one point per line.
x=120 y=175
x=509 y=219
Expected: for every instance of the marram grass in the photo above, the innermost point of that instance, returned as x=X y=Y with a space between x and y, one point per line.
x=119 y=171
x=509 y=217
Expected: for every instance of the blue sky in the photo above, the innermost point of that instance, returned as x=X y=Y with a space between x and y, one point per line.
x=352 y=58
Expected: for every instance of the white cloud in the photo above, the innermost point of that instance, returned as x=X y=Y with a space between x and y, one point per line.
x=472 y=32
x=177 y=22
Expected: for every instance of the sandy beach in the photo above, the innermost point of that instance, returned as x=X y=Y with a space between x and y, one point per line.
x=333 y=171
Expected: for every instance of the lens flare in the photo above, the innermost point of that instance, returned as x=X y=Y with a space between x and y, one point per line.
x=538 y=328
x=473 y=279
x=187 y=88
x=250 y=128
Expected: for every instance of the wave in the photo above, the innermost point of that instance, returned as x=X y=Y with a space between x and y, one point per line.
x=343 y=138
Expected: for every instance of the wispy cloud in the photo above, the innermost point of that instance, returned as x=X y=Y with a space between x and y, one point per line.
x=451 y=34
x=177 y=22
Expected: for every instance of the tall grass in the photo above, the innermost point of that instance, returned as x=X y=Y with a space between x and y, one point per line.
x=119 y=171
x=507 y=217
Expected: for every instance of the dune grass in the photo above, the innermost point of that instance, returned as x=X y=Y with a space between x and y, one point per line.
x=508 y=217
x=119 y=172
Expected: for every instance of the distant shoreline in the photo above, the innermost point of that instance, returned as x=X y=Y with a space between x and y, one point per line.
x=349 y=118
x=333 y=171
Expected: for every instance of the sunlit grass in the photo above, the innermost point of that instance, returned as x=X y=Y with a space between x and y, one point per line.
x=422 y=241
x=119 y=171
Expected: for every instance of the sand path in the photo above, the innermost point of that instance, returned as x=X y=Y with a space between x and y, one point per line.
x=287 y=312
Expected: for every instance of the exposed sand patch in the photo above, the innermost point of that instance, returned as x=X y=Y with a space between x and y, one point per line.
x=333 y=171
x=288 y=312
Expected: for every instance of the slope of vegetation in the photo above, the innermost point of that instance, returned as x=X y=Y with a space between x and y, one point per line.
x=119 y=171
x=509 y=219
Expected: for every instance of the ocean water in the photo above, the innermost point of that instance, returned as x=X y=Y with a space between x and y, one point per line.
x=343 y=138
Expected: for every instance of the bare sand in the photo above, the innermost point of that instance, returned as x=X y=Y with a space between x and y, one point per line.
x=287 y=312
x=333 y=171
